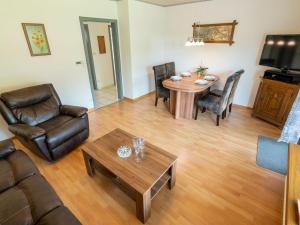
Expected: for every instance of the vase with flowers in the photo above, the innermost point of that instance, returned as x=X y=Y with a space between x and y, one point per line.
x=201 y=71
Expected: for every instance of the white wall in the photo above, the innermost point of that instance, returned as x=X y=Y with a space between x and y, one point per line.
x=102 y=62
x=256 y=19
x=61 y=18
x=147 y=38
x=142 y=35
x=125 y=47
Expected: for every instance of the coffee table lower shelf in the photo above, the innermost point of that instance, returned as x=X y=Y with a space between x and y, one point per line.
x=143 y=200
x=159 y=185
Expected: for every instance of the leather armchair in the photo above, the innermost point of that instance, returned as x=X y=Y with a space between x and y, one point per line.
x=39 y=120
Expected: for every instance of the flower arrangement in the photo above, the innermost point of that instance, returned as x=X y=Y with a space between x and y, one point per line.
x=201 y=71
x=38 y=39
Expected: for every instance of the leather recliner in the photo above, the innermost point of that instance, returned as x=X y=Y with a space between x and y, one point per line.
x=42 y=124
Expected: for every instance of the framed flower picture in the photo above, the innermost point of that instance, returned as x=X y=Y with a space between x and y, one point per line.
x=36 y=38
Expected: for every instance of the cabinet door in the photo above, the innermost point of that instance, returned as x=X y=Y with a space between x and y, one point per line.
x=274 y=101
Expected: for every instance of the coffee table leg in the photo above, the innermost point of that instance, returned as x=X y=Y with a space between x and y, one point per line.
x=172 y=172
x=143 y=206
x=88 y=164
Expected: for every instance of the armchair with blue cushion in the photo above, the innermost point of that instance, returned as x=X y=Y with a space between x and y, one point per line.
x=36 y=116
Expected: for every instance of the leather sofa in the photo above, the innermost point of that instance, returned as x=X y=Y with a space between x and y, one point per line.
x=26 y=198
x=38 y=119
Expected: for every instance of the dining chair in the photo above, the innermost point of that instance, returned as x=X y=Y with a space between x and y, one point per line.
x=218 y=92
x=160 y=74
x=170 y=67
x=214 y=103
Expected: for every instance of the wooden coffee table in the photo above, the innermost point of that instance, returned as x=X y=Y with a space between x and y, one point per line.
x=142 y=180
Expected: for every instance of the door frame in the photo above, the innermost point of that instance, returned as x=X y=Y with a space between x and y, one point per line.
x=116 y=52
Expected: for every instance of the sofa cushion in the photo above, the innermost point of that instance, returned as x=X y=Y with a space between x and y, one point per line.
x=7 y=179
x=40 y=195
x=62 y=133
x=26 y=96
x=14 y=208
x=33 y=105
x=6 y=147
x=38 y=113
x=22 y=165
x=55 y=122
x=59 y=216
x=16 y=167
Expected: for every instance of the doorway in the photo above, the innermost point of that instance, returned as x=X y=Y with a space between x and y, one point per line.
x=101 y=45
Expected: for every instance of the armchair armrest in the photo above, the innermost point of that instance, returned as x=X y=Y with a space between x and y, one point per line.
x=75 y=111
x=6 y=147
x=26 y=131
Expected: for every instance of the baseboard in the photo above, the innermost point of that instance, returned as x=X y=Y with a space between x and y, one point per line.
x=139 y=98
x=242 y=107
x=91 y=110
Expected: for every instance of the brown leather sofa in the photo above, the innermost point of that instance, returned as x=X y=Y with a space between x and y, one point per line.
x=39 y=120
x=26 y=198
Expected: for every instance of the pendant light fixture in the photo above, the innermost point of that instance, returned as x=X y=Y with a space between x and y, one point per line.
x=196 y=40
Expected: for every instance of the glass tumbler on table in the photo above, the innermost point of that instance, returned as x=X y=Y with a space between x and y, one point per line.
x=138 y=144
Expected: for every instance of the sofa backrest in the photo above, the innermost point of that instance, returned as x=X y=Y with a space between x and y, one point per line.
x=31 y=105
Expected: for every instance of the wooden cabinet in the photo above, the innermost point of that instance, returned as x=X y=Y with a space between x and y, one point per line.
x=274 y=101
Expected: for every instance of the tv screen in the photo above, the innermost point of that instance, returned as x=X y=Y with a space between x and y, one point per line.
x=282 y=52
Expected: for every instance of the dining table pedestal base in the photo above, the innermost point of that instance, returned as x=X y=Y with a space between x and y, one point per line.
x=182 y=104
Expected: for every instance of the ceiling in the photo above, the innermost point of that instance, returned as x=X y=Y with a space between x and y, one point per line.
x=171 y=2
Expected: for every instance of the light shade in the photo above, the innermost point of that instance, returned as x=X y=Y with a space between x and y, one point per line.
x=194 y=42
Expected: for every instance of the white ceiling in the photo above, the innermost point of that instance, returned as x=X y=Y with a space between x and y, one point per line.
x=171 y=2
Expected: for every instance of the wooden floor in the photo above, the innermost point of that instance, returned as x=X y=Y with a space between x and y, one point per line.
x=218 y=182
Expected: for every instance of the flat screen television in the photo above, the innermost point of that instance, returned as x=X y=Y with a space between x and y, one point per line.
x=282 y=52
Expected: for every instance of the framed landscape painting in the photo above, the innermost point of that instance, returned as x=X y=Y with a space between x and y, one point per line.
x=36 y=38
x=216 y=33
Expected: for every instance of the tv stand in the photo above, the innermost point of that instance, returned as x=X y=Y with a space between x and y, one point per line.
x=275 y=97
x=283 y=75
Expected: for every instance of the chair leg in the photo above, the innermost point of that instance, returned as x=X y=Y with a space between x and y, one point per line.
x=218 y=120
x=230 y=107
x=197 y=109
x=224 y=114
x=156 y=99
x=203 y=110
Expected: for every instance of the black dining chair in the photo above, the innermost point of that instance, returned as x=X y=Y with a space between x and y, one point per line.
x=218 y=92
x=170 y=67
x=217 y=104
x=160 y=74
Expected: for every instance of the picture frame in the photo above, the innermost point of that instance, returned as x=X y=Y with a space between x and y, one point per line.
x=36 y=39
x=222 y=33
x=101 y=44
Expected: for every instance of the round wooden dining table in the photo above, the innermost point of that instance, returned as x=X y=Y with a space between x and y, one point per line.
x=182 y=94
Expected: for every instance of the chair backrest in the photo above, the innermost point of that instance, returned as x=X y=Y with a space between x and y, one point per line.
x=160 y=74
x=170 y=67
x=32 y=105
x=226 y=93
x=238 y=75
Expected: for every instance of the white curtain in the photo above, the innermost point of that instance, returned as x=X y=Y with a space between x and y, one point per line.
x=291 y=129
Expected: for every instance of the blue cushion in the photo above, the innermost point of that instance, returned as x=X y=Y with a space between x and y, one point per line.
x=272 y=155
